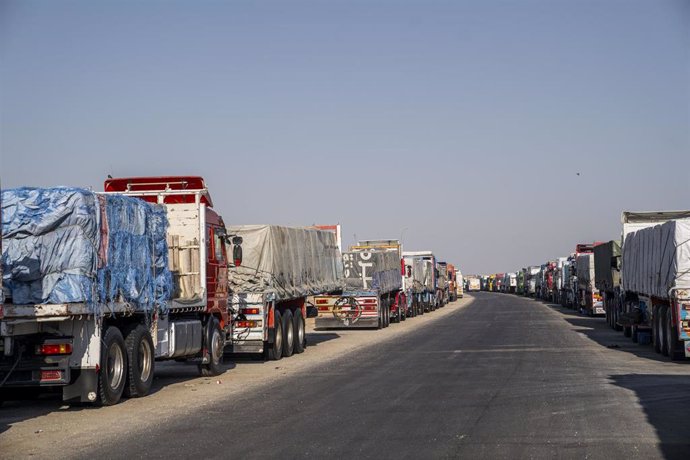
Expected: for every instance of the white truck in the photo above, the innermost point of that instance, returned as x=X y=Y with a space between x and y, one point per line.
x=655 y=279
x=101 y=285
x=282 y=267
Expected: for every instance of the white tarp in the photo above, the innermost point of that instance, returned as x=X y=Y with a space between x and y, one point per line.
x=657 y=259
x=290 y=262
x=377 y=270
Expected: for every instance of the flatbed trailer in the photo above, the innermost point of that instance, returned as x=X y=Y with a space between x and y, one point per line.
x=98 y=351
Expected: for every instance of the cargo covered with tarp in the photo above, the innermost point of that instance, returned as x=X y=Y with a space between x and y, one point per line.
x=657 y=259
x=372 y=270
x=606 y=273
x=287 y=262
x=68 y=245
x=584 y=268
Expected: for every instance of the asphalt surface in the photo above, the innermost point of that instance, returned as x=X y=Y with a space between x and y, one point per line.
x=505 y=377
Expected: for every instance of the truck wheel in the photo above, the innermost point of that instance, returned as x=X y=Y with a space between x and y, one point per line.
x=672 y=342
x=634 y=333
x=616 y=316
x=215 y=345
x=658 y=335
x=274 y=351
x=140 y=356
x=387 y=316
x=113 y=373
x=627 y=331
x=300 y=332
x=288 y=334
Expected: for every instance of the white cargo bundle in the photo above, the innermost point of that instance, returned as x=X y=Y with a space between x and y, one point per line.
x=289 y=262
x=657 y=259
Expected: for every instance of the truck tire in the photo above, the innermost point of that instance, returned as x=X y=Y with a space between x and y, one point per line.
x=274 y=351
x=300 y=332
x=657 y=330
x=140 y=359
x=387 y=315
x=379 y=325
x=627 y=331
x=662 y=326
x=214 y=344
x=288 y=334
x=672 y=343
x=113 y=373
x=616 y=316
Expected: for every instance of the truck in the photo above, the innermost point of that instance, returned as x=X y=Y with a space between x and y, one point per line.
x=102 y=285
x=590 y=300
x=452 y=283
x=281 y=269
x=655 y=281
x=459 y=284
x=531 y=275
x=398 y=307
x=473 y=283
x=607 y=279
x=520 y=286
x=442 y=284
x=424 y=277
x=558 y=280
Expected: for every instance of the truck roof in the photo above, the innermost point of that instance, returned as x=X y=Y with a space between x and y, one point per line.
x=630 y=217
x=174 y=189
x=418 y=253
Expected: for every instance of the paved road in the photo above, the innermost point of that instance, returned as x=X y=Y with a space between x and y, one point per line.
x=505 y=377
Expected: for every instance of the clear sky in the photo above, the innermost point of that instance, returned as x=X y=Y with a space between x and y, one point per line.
x=460 y=125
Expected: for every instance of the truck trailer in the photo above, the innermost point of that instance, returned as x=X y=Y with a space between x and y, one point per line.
x=373 y=284
x=282 y=267
x=424 y=278
x=655 y=280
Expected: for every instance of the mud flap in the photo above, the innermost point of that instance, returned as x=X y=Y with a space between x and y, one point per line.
x=84 y=388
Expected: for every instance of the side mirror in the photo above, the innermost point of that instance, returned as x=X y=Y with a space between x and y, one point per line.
x=237 y=253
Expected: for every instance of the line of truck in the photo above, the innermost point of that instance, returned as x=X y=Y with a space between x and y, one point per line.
x=640 y=282
x=99 y=286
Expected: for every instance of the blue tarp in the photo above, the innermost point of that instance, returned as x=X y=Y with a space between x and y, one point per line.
x=65 y=245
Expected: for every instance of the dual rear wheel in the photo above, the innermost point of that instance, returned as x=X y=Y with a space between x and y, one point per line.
x=127 y=364
x=290 y=335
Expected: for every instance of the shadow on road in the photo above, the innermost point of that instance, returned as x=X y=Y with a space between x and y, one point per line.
x=315 y=338
x=25 y=404
x=665 y=400
x=596 y=329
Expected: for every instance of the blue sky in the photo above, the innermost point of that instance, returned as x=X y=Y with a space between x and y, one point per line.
x=460 y=124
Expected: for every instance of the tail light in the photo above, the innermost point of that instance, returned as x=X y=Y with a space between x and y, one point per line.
x=247 y=324
x=249 y=311
x=321 y=301
x=323 y=308
x=54 y=349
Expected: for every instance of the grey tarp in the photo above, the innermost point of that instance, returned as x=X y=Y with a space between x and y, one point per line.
x=289 y=262
x=657 y=259
x=584 y=265
x=378 y=270
x=414 y=274
x=606 y=277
